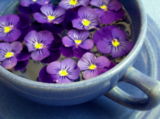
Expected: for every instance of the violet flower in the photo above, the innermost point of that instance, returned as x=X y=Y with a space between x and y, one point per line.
x=8 y=28
x=112 y=40
x=86 y=20
x=77 y=39
x=69 y=4
x=92 y=66
x=38 y=43
x=109 y=10
x=50 y=14
x=26 y=3
x=8 y=54
x=65 y=71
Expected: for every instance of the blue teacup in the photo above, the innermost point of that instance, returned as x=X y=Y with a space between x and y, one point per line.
x=83 y=91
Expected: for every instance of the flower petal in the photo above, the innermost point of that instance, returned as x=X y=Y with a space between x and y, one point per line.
x=68 y=63
x=103 y=62
x=90 y=74
x=54 y=67
x=115 y=5
x=40 y=18
x=40 y=54
x=74 y=74
x=67 y=42
x=16 y=47
x=87 y=44
x=9 y=63
x=104 y=47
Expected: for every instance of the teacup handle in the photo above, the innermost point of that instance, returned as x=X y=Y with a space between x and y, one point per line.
x=149 y=86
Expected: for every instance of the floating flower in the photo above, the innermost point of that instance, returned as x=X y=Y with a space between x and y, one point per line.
x=38 y=44
x=45 y=77
x=86 y=20
x=109 y=10
x=77 y=39
x=92 y=66
x=69 y=4
x=50 y=14
x=65 y=71
x=8 y=54
x=26 y=3
x=8 y=28
x=113 y=41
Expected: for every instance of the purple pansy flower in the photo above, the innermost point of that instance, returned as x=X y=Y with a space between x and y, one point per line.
x=26 y=3
x=50 y=14
x=38 y=44
x=69 y=4
x=77 y=39
x=112 y=40
x=92 y=66
x=110 y=10
x=8 y=54
x=65 y=71
x=8 y=28
x=86 y=20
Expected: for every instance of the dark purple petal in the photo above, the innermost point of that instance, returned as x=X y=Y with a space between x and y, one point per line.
x=45 y=77
x=24 y=55
x=54 y=67
x=98 y=3
x=40 y=54
x=115 y=5
x=54 y=55
x=9 y=63
x=87 y=44
x=67 y=52
x=104 y=46
x=21 y=65
x=79 y=52
x=110 y=16
x=67 y=42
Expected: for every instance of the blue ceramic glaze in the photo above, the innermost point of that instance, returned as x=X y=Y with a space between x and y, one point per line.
x=80 y=92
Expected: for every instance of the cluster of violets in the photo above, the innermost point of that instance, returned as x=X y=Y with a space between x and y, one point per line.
x=66 y=37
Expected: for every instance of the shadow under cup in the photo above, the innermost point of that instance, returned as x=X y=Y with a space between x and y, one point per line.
x=83 y=91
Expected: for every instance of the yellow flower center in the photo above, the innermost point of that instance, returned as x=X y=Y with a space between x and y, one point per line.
x=104 y=7
x=9 y=54
x=51 y=18
x=73 y=2
x=38 y=45
x=92 y=67
x=63 y=73
x=78 y=42
x=86 y=22
x=115 y=43
x=8 y=29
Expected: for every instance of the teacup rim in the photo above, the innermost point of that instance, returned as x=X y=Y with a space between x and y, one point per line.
x=110 y=73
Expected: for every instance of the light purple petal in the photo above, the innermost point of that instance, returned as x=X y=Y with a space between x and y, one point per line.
x=90 y=74
x=9 y=63
x=69 y=64
x=12 y=36
x=40 y=18
x=12 y=19
x=74 y=74
x=87 y=44
x=54 y=67
x=86 y=60
x=67 y=42
x=25 y=3
x=16 y=47
x=98 y=3
x=77 y=24
x=40 y=54
x=102 y=62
